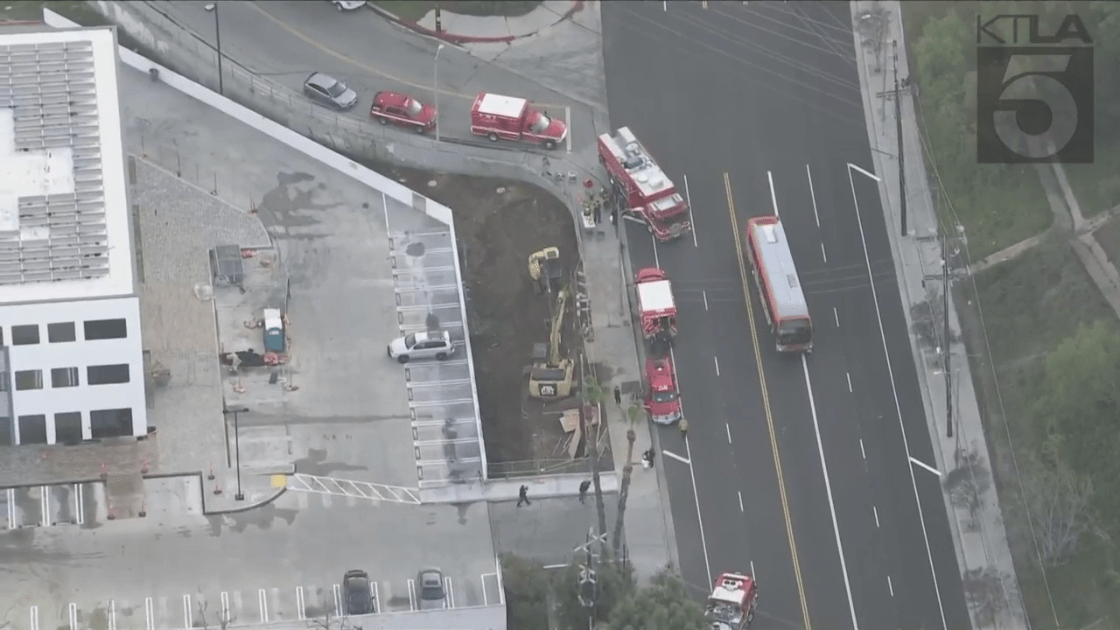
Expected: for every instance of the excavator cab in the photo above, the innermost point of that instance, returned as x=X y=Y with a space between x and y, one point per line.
x=546 y=270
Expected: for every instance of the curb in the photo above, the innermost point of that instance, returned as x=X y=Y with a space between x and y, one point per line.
x=452 y=38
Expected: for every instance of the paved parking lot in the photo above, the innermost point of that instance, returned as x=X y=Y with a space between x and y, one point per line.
x=43 y=506
x=442 y=400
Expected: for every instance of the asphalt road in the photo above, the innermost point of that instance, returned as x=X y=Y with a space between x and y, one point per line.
x=754 y=93
x=287 y=40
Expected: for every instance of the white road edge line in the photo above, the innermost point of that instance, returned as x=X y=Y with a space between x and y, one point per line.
x=728 y=432
x=875 y=510
x=828 y=491
x=716 y=359
x=894 y=390
x=915 y=460
x=705 y=294
x=809 y=174
x=741 y=501
x=773 y=196
x=849 y=375
x=188 y=616
x=691 y=219
x=695 y=492
x=672 y=455
x=568 y=122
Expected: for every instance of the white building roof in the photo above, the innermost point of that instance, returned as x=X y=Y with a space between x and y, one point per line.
x=639 y=165
x=498 y=105
x=773 y=249
x=655 y=296
x=64 y=217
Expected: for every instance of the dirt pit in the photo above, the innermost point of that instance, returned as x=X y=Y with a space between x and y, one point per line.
x=499 y=224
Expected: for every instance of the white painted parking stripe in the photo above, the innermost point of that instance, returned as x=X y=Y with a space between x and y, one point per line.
x=400 y=271
x=455 y=381
x=224 y=614
x=79 y=504
x=450 y=326
x=188 y=618
x=415 y=235
x=485 y=597
x=470 y=440
x=424 y=308
x=45 y=505
x=442 y=423
x=11 y=492
x=74 y=616
x=112 y=614
x=450 y=592
x=149 y=613
x=376 y=596
x=443 y=462
x=301 y=614
x=440 y=287
x=441 y=403
x=337 y=600
x=34 y=618
x=411 y=595
x=262 y=599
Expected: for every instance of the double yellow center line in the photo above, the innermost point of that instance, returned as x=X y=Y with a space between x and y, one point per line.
x=766 y=400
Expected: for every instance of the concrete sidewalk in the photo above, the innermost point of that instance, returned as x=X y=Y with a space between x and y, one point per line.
x=468 y=29
x=984 y=557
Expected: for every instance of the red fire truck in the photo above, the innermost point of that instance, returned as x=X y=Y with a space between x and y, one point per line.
x=656 y=308
x=782 y=297
x=731 y=604
x=638 y=180
x=508 y=118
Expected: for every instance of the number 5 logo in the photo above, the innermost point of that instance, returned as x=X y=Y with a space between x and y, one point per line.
x=1052 y=87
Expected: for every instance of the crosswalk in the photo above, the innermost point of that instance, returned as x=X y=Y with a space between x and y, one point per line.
x=242 y=607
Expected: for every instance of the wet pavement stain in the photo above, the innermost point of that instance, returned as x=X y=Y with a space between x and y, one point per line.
x=414 y=249
x=315 y=464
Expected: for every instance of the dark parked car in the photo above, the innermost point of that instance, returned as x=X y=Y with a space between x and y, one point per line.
x=431 y=595
x=329 y=91
x=358 y=593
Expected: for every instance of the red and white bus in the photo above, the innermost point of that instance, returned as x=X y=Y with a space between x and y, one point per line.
x=782 y=297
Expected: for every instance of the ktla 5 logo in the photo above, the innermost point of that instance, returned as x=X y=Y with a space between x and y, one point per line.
x=1034 y=103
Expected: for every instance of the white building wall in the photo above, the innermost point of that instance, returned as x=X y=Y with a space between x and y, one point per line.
x=81 y=354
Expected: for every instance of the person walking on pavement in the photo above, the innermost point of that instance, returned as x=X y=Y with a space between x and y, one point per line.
x=523 y=496
x=583 y=490
x=597 y=210
x=617 y=395
x=684 y=428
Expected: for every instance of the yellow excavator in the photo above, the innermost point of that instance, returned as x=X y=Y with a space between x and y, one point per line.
x=546 y=270
x=551 y=375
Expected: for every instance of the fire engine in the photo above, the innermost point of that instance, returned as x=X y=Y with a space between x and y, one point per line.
x=731 y=604
x=639 y=183
x=656 y=308
x=783 y=299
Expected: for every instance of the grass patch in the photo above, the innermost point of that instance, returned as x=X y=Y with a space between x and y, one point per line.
x=999 y=215
x=414 y=10
x=1031 y=304
x=1097 y=185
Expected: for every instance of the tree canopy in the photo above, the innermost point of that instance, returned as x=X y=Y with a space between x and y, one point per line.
x=527 y=588
x=614 y=582
x=663 y=605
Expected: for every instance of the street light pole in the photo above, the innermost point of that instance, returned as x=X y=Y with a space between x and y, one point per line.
x=237 y=446
x=435 y=86
x=218 y=39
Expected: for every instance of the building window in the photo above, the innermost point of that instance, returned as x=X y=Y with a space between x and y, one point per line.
x=64 y=377
x=107 y=374
x=68 y=427
x=106 y=329
x=61 y=332
x=29 y=379
x=6 y=428
x=4 y=387
x=107 y=423
x=1 y=336
x=25 y=335
x=33 y=429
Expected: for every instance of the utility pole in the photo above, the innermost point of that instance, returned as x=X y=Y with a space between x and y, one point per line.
x=946 y=340
x=591 y=444
x=588 y=575
x=901 y=155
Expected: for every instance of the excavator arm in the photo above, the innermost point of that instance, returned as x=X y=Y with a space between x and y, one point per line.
x=557 y=327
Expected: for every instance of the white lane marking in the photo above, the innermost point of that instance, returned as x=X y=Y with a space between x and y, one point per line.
x=411 y=595
x=890 y=585
x=656 y=261
x=809 y=174
x=915 y=460
x=861 y=451
x=695 y=492
x=849 y=375
x=741 y=501
x=836 y=316
x=705 y=294
x=672 y=455
x=753 y=574
x=225 y=607
x=894 y=390
x=665 y=5
x=34 y=618
x=45 y=505
x=828 y=491
x=716 y=359
x=824 y=254
x=112 y=614
x=188 y=616
x=74 y=616
x=773 y=196
x=568 y=122
x=262 y=599
x=301 y=612
x=377 y=595
x=691 y=219
x=149 y=613
x=338 y=600
x=450 y=592
x=728 y=432
x=876 y=512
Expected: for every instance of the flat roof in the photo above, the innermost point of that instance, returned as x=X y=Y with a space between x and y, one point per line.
x=770 y=242
x=639 y=165
x=498 y=105
x=655 y=296
x=64 y=217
